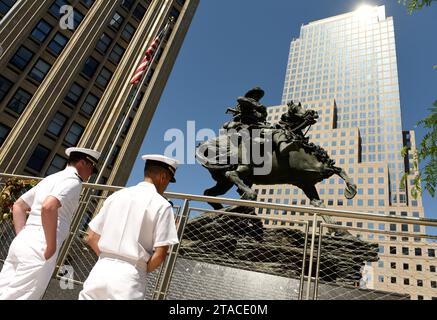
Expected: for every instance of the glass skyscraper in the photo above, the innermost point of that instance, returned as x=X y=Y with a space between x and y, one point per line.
x=352 y=58
x=345 y=68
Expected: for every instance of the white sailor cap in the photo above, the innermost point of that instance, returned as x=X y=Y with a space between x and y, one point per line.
x=162 y=161
x=91 y=155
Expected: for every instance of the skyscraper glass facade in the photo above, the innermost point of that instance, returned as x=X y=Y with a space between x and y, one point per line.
x=351 y=58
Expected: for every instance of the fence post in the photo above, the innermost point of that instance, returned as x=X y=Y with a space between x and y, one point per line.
x=310 y=267
x=166 y=273
x=319 y=252
x=302 y=276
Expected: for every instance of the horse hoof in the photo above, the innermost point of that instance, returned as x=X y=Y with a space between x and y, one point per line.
x=249 y=196
x=317 y=203
x=350 y=191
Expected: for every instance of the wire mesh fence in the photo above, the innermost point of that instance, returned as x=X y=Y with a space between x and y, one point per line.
x=381 y=265
x=237 y=254
x=215 y=244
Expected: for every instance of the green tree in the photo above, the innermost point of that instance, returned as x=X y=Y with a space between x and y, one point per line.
x=427 y=153
x=413 y=5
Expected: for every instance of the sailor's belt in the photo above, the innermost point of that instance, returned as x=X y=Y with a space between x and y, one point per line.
x=137 y=263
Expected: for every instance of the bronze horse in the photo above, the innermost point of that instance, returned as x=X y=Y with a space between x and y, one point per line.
x=303 y=166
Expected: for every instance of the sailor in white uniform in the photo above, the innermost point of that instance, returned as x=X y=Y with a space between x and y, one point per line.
x=131 y=235
x=51 y=205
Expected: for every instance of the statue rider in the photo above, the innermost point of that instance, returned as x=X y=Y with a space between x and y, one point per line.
x=249 y=112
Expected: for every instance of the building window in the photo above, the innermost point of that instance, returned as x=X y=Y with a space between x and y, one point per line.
x=381 y=279
x=139 y=12
x=114 y=156
x=19 y=101
x=404 y=227
x=432 y=269
x=434 y=284
x=6 y=5
x=41 y=31
x=128 y=32
x=116 y=54
x=88 y=3
x=5 y=86
x=55 y=8
x=78 y=17
x=57 y=124
x=22 y=58
x=116 y=21
x=431 y=253
x=407 y=282
x=406 y=266
x=405 y=251
x=104 y=43
x=392 y=227
x=128 y=4
x=90 y=104
x=74 y=94
x=4 y=132
x=58 y=44
x=418 y=252
x=392 y=250
x=393 y=265
x=419 y=267
x=420 y=297
x=175 y=13
x=90 y=67
x=128 y=125
x=38 y=158
x=73 y=135
x=393 y=279
x=39 y=70
x=420 y=283
x=58 y=164
x=104 y=77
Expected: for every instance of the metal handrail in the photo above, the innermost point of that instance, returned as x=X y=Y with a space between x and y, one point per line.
x=165 y=276
x=257 y=204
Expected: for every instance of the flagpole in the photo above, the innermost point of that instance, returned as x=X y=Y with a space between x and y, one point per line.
x=132 y=103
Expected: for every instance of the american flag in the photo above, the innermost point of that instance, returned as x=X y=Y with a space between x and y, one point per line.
x=150 y=54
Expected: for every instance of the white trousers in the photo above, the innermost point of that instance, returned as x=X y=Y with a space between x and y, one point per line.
x=114 y=279
x=26 y=273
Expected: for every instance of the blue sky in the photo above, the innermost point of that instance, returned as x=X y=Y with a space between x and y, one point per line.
x=234 y=45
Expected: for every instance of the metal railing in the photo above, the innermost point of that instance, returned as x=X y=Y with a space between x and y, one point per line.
x=295 y=258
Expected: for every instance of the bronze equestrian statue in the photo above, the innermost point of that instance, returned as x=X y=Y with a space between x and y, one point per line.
x=294 y=160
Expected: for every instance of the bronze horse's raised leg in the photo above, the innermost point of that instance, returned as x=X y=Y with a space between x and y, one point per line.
x=222 y=186
x=311 y=192
x=351 y=189
x=236 y=177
